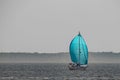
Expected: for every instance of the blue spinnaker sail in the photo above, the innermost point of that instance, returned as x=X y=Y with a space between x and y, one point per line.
x=78 y=50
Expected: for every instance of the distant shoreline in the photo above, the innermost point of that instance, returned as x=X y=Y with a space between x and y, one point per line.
x=55 y=53
x=61 y=57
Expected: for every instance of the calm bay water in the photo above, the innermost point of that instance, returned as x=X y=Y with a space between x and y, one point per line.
x=54 y=71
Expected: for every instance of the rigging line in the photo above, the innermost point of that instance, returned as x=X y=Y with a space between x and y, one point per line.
x=79 y=49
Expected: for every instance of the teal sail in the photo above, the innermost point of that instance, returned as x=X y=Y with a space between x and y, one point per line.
x=78 y=50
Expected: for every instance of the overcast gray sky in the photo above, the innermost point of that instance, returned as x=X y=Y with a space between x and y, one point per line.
x=50 y=25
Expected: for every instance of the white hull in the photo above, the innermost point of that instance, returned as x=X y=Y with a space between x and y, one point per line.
x=73 y=66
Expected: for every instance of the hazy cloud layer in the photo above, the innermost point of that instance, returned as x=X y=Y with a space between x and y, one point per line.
x=50 y=25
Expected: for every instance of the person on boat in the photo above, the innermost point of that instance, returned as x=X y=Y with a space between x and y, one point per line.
x=72 y=65
x=77 y=64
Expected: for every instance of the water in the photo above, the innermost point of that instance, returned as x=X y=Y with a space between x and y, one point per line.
x=54 y=71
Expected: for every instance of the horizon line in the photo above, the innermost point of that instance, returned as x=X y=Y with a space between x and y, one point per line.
x=58 y=52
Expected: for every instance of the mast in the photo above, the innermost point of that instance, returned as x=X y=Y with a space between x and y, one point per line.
x=79 y=47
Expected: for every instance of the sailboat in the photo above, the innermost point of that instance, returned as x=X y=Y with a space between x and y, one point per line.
x=79 y=53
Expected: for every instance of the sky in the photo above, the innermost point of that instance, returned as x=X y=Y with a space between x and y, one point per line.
x=50 y=25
